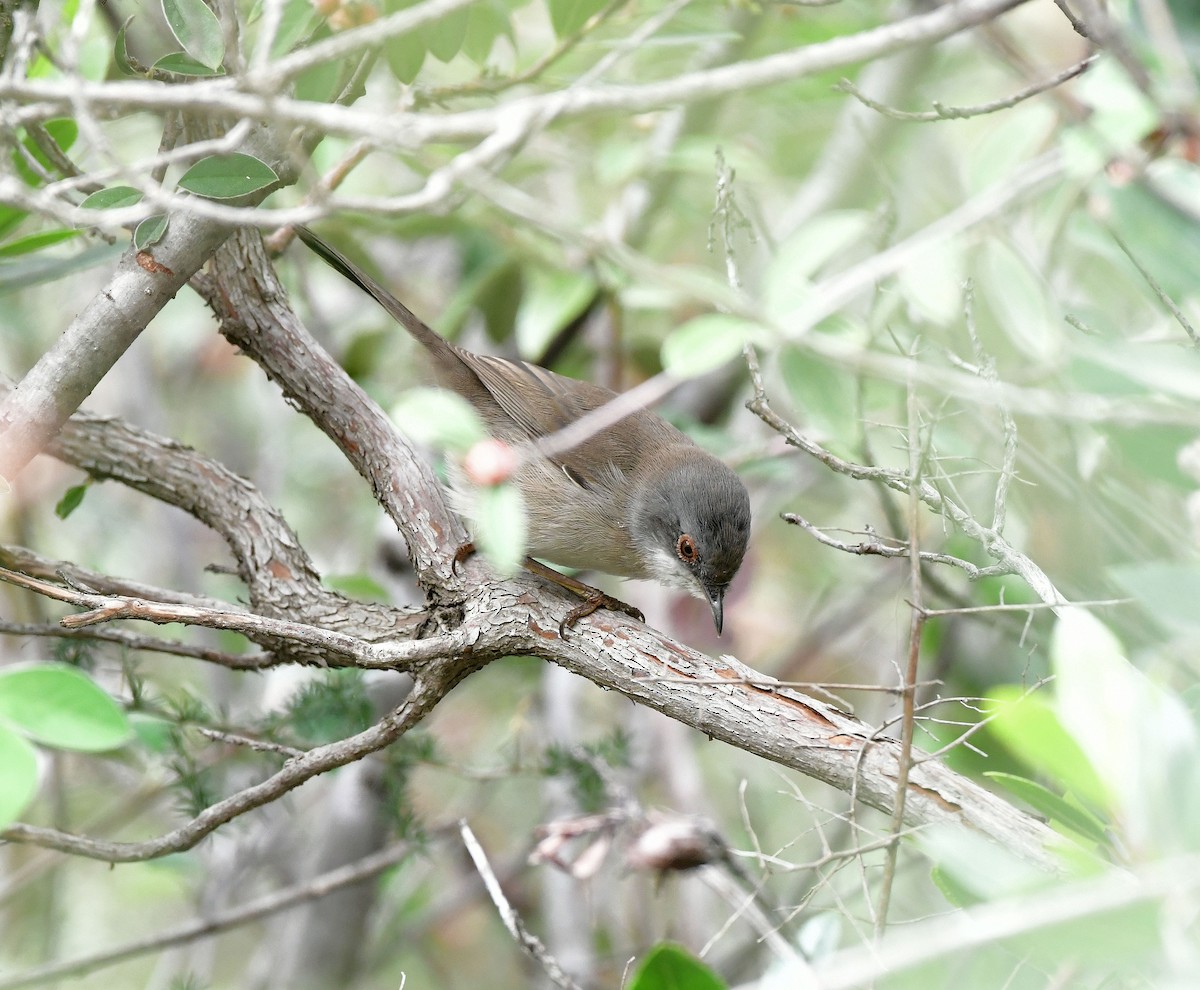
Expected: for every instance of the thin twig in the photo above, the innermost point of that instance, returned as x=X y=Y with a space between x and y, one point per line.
x=280 y=900
x=992 y=542
x=908 y=699
x=1157 y=289
x=941 y=112
x=986 y=369
x=136 y=641
x=524 y=938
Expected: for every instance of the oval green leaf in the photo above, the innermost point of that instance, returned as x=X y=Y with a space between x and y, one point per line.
x=447 y=34
x=196 y=27
x=669 y=966
x=18 y=775
x=569 y=16
x=60 y=706
x=182 y=64
x=227 y=176
x=488 y=22
x=1031 y=730
x=112 y=198
x=438 y=418
x=150 y=231
x=125 y=64
x=71 y=500
x=706 y=343
x=405 y=55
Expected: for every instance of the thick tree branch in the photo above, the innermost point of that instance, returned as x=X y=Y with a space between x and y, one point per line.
x=143 y=283
x=251 y=303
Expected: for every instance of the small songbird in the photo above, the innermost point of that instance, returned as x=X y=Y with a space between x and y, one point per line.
x=638 y=499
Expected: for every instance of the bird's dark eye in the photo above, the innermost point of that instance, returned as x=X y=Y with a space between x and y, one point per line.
x=686 y=548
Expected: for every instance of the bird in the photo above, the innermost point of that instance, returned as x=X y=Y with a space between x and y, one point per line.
x=638 y=499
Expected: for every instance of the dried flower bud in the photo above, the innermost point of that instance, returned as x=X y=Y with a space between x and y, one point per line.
x=674 y=844
x=490 y=462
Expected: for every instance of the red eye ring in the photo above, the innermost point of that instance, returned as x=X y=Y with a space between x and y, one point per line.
x=687 y=549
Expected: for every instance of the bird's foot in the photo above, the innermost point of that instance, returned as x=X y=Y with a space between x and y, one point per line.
x=461 y=554
x=593 y=601
x=593 y=598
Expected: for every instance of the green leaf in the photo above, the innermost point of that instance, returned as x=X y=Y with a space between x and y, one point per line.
x=150 y=231
x=182 y=64
x=227 y=176
x=71 y=500
x=446 y=35
x=298 y=21
x=552 y=299
x=1168 y=590
x=977 y=867
x=439 y=418
x=933 y=281
x=196 y=27
x=956 y=893
x=1019 y=299
x=152 y=732
x=121 y=51
x=501 y=527
x=35 y=242
x=112 y=198
x=706 y=343
x=669 y=967
x=18 y=775
x=63 y=131
x=488 y=21
x=569 y=16
x=1138 y=736
x=10 y=219
x=60 y=706
x=807 y=251
x=321 y=83
x=405 y=55
x=1053 y=806
x=826 y=394
x=1029 y=727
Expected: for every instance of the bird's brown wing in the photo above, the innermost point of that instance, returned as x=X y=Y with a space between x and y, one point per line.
x=539 y=402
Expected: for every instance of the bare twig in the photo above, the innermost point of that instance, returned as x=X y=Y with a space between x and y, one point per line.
x=942 y=112
x=1162 y=294
x=874 y=546
x=136 y=641
x=992 y=542
x=524 y=938
x=221 y=921
x=908 y=698
x=986 y=368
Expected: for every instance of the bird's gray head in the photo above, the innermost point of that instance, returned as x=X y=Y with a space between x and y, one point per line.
x=690 y=523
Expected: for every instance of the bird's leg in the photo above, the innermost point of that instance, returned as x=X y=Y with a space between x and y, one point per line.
x=461 y=554
x=593 y=598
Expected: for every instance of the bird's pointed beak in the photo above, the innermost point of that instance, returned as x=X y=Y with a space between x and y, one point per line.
x=716 y=601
